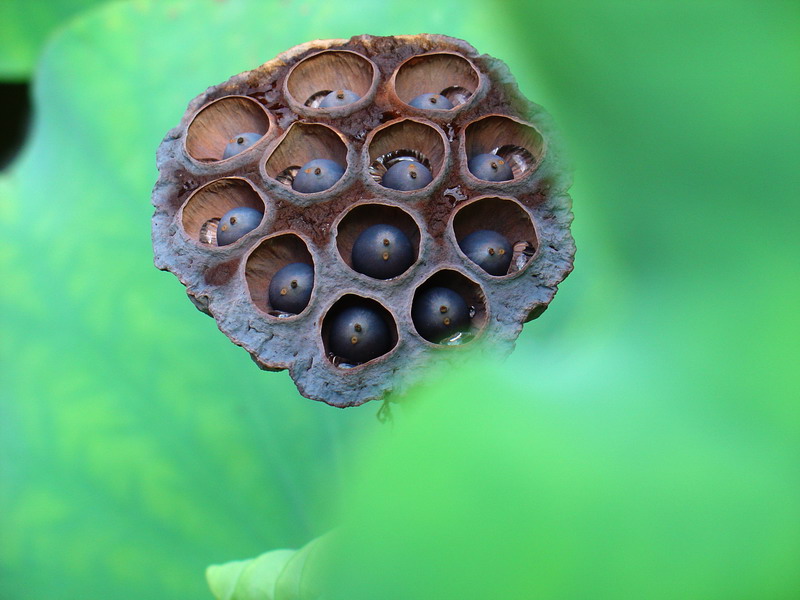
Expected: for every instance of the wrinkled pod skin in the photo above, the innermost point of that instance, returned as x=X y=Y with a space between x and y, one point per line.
x=304 y=223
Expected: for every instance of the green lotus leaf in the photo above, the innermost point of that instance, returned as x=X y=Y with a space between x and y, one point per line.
x=488 y=489
x=25 y=27
x=253 y=579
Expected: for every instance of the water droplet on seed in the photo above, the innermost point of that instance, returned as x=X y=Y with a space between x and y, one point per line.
x=339 y=362
x=462 y=337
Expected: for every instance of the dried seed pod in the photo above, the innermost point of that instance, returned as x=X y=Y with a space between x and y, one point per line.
x=313 y=78
x=401 y=138
x=506 y=216
x=266 y=259
x=201 y=213
x=514 y=140
x=301 y=144
x=361 y=217
x=447 y=74
x=472 y=294
x=354 y=337
x=216 y=123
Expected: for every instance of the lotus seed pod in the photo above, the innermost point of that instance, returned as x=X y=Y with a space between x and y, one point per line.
x=333 y=131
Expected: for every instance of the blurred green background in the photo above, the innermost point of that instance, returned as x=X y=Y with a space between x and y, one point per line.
x=643 y=441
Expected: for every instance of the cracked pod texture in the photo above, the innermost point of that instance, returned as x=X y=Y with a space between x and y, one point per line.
x=340 y=114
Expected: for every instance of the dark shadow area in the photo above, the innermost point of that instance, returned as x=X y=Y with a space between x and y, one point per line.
x=15 y=112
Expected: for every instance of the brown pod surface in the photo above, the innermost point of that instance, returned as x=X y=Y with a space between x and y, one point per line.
x=278 y=101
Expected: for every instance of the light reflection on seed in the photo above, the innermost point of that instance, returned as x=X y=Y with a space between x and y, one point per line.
x=462 y=337
x=339 y=362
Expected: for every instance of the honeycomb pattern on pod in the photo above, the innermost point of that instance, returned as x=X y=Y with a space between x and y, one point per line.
x=361 y=212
